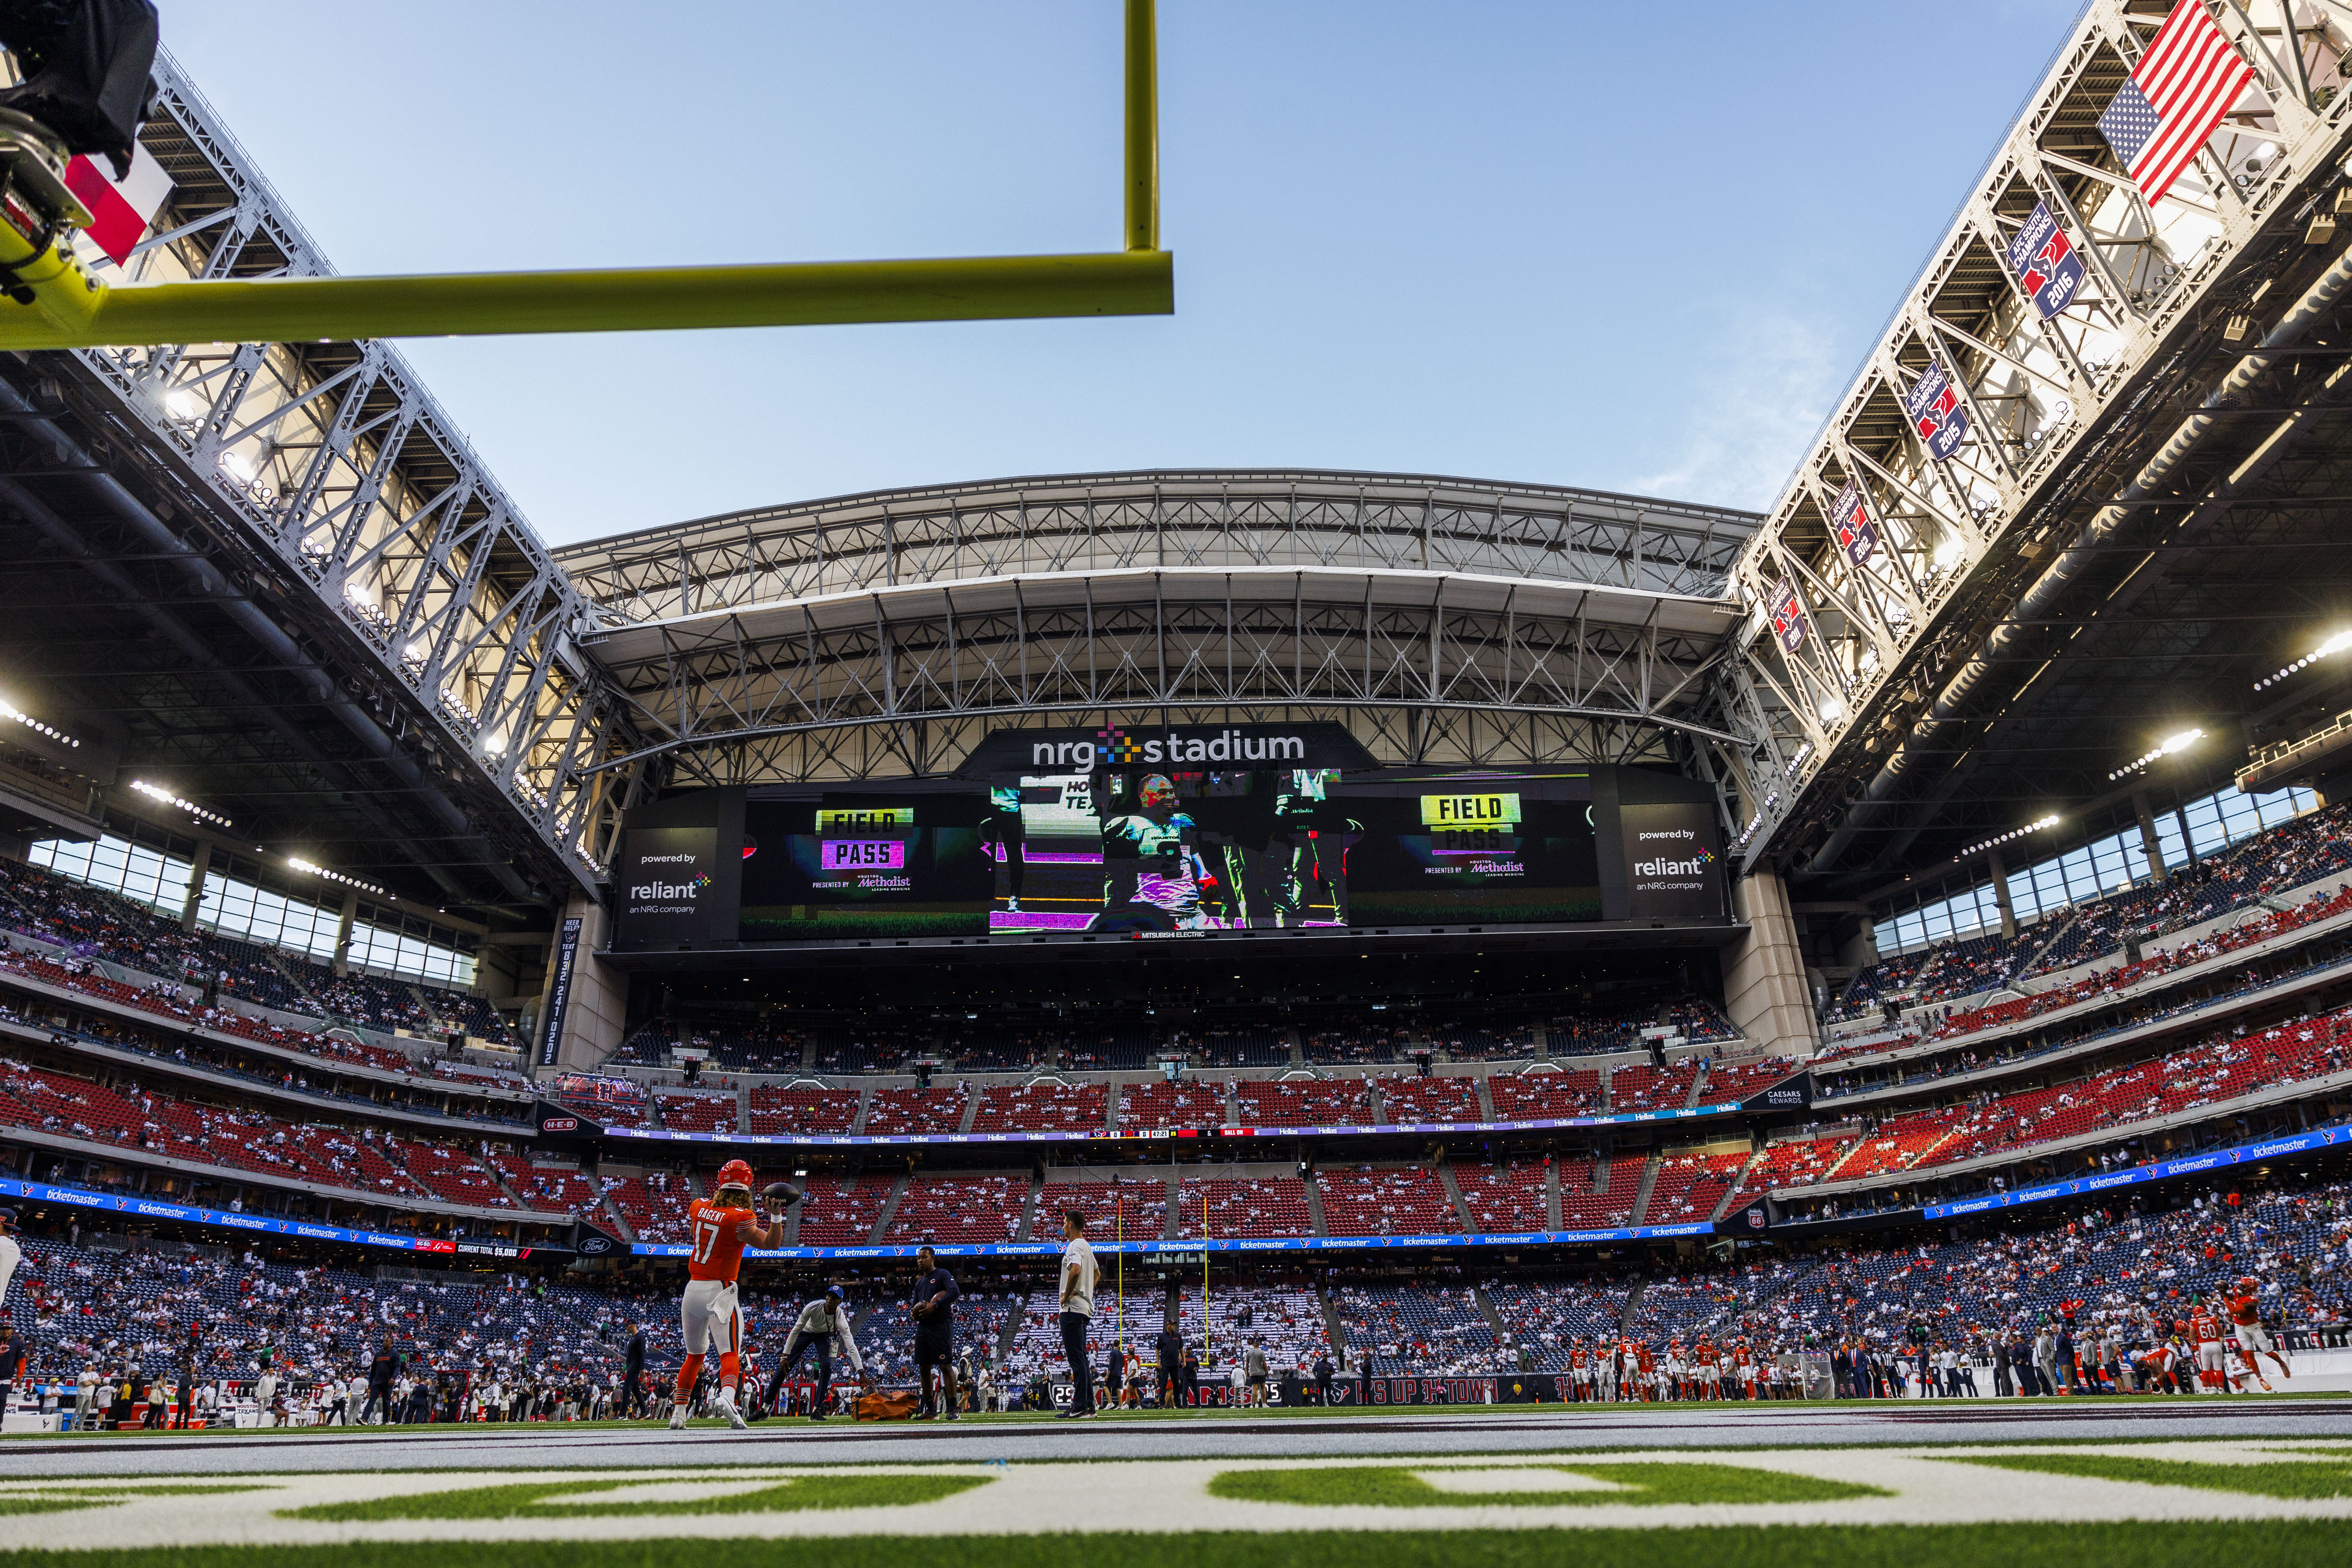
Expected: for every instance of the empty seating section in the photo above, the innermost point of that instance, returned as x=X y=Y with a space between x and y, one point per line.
x=1409 y=1201
x=1725 y=1084
x=1582 y=1208
x=1544 y=1096
x=1794 y=1162
x=1423 y=1100
x=1158 y=1105
x=1504 y=1198
x=656 y=1205
x=1396 y=1326
x=1234 y=1047
x=1339 y=1103
x=1652 y=1089
x=695 y=1113
x=915 y=1111
x=1688 y=1187
x=1042 y=1108
x=1112 y=1050
x=369 y=1162
x=1492 y=1040
x=366 y=1000
x=986 y=1048
x=2111 y=982
x=887 y=1339
x=813 y=1110
x=2314 y=846
x=841 y=1211
x=551 y=1189
x=1269 y=1206
x=1543 y=1319
x=1135 y=1211
x=448 y=1173
x=1353 y=1042
x=964 y=1210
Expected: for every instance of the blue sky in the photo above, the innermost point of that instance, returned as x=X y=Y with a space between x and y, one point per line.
x=1633 y=247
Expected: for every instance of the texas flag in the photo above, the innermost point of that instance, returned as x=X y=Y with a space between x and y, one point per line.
x=123 y=210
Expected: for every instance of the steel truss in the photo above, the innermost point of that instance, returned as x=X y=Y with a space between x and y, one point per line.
x=2047 y=401
x=1425 y=667
x=1100 y=522
x=345 y=478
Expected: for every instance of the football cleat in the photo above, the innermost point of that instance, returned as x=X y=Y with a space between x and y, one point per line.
x=677 y=1417
x=726 y=1408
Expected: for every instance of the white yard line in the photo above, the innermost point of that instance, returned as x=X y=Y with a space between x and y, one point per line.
x=1172 y=1496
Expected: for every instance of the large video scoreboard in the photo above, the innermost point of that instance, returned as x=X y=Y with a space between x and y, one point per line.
x=1166 y=834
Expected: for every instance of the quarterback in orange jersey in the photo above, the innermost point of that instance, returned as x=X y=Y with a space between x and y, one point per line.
x=2244 y=1302
x=720 y=1228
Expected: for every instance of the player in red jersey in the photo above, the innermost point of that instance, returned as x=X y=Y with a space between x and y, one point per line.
x=2244 y=1302
x=720 y=1228
x=2205 y=1327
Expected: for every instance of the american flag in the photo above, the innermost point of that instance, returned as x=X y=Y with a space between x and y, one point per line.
x=2189 y=78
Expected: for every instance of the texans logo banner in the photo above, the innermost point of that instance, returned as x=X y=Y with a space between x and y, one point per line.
x=2044 y=262
x=1934 y=406
x=1856 y=534
x=1789 y=616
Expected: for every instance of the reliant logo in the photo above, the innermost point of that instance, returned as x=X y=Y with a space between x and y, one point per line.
x=1117 y=749
x=1674 y=868
x=669 y=890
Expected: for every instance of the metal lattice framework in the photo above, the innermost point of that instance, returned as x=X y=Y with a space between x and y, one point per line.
x=1891 y=634
x=340 y=474
x=1444 y=621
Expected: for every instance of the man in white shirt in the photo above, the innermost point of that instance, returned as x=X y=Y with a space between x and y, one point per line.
x=1078 y=1276
x=10 y=1253
x=85 y=1397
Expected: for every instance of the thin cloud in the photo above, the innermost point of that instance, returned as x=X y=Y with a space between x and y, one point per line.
x=1772 y=380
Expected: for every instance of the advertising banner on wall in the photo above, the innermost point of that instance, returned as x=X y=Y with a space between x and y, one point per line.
x=559 y=992
x=662 y=884
x=1674 y=865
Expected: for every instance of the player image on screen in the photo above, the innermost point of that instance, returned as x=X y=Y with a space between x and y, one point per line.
x=1318 y=832
x=1007 y=840
x=1152 y=870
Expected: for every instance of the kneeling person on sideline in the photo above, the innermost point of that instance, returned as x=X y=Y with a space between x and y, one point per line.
x=721 y=1228
x=821 y=1323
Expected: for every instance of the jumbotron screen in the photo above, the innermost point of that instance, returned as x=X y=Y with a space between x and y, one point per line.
x=1167 y=834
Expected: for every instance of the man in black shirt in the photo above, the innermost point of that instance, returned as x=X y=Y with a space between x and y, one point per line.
x=635 y=1395
x=933 y=1306
x=381 y=1372
x=1118 y=1378
x=1323 y=1380
x=1171 y=1347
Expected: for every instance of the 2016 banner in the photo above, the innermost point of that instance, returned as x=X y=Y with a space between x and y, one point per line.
x=1934 y=406
x=2043 y=261
x=1850 y=520
x=1789 y=616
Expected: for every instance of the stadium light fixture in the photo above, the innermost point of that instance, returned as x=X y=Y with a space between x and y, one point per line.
x=307 y=868
x=2327 y=649
x=158 y=793
x=2167 y=747
x=10 y=710
x=55 y=303
x=2015 y=832
x=1832 y=710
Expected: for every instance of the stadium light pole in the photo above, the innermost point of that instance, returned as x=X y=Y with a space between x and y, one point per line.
x=60 y=305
